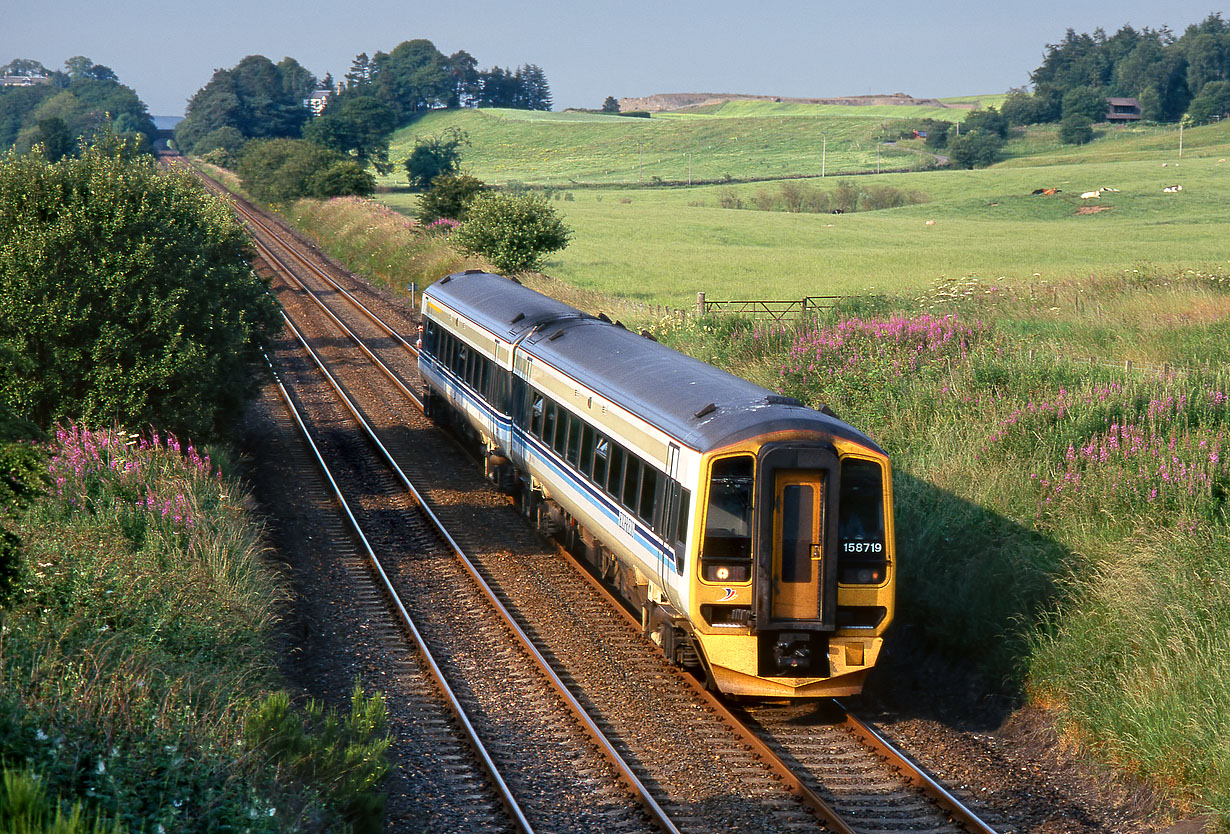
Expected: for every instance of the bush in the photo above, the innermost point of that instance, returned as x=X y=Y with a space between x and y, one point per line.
x=1212 y=102
x=435 y=156
x=513 y=232
x=975 y=150
x=341 y=179
x=448 y=197
x=125 y=295
x=284 y=170
x=1075 y=129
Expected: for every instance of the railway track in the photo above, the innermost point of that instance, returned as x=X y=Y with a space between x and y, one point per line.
x=765 y=767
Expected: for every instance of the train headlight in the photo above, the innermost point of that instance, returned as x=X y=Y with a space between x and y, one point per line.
x=723 y=573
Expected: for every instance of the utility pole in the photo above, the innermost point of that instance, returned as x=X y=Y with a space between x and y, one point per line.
x=640 y=161
x=824 y=152
x=689 y=167
x=1180 y=140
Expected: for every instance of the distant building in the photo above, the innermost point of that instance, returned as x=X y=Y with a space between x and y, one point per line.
x=1123 y=110
x=22 y=80
x=317 y=101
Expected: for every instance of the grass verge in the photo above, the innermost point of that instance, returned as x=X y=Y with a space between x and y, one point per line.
x=138 y=685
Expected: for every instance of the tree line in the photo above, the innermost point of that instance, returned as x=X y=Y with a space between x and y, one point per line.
x=254 y=115
x=63 y=107
x=1169 y=76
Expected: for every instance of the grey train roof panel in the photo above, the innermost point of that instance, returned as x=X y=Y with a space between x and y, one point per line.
x=661 y=385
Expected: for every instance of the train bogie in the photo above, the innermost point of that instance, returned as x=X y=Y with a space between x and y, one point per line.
x=755 y=535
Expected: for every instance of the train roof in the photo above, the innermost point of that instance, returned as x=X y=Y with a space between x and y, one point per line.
x=700 y=405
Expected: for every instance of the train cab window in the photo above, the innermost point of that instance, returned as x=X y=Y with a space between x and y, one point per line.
x=632 y=482
x=862 y=546
x=615 y=470
x=726 y=551
x=602 y=451
x=649 y=488
x=536 y=414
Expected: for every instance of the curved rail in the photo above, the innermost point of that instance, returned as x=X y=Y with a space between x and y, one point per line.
x=651 y=806
x=476 y=744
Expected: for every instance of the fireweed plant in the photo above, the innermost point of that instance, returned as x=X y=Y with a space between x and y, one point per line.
x=1060 y=524
x=136 y=655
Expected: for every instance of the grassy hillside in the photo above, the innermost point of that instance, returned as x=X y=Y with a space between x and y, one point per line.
x=987 y=223
x=562 y=149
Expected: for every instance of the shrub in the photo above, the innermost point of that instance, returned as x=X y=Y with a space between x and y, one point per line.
x=514 y=232
x=449 y=196
x=343 y=178
x=284 y=170
x=1075 y=129
x=435 y=156
x=125 y=295
x=975 y=150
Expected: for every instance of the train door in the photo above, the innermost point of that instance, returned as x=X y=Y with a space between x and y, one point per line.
x=797 y=591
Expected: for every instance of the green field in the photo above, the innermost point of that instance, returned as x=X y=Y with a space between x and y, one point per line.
x=665 y=244
x=564 y=149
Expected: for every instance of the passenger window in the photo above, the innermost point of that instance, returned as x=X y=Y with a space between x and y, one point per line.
x=587 y=450
x=685 y=503
x=601 y=452
x=615 y=472
x=548 y=424
x=574 y=440
x=561 y=430
x=536 y=415
x=632 y=481
x=649 y=484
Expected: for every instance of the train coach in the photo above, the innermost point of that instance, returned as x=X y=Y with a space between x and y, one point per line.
x=754 y=534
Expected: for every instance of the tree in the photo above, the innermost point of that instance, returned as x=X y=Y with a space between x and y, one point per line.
x=449 y=196
x=1076 y=129
x=1089 y=102
x=533 y=92
x=411 y=79
x=1212 y=103
x=282 y=170
x=463 y=68
x=55 y=139
x=126 y=293
x=341 y=178
x=514 y=232
x=359 y=126
x=975 y=150
x=611 y=105
x=435 y=156
x=24 y=67
x=256 y=97
x=986 y=121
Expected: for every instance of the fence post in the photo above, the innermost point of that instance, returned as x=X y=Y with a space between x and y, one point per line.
x=700 y=304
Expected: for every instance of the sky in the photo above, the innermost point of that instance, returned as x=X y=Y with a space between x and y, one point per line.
x=591 y=49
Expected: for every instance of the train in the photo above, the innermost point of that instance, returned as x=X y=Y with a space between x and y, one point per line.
x=753 y=534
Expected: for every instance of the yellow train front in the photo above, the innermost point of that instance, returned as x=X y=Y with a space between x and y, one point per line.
x=753 y=534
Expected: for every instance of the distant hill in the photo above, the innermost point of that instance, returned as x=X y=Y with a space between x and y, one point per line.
x=680 y=101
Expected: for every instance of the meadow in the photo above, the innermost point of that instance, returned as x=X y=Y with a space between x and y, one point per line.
x=983 y=223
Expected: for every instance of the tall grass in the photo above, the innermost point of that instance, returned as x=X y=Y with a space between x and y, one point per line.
x=139 y=641
x=1062 y=525
x=383 y=246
